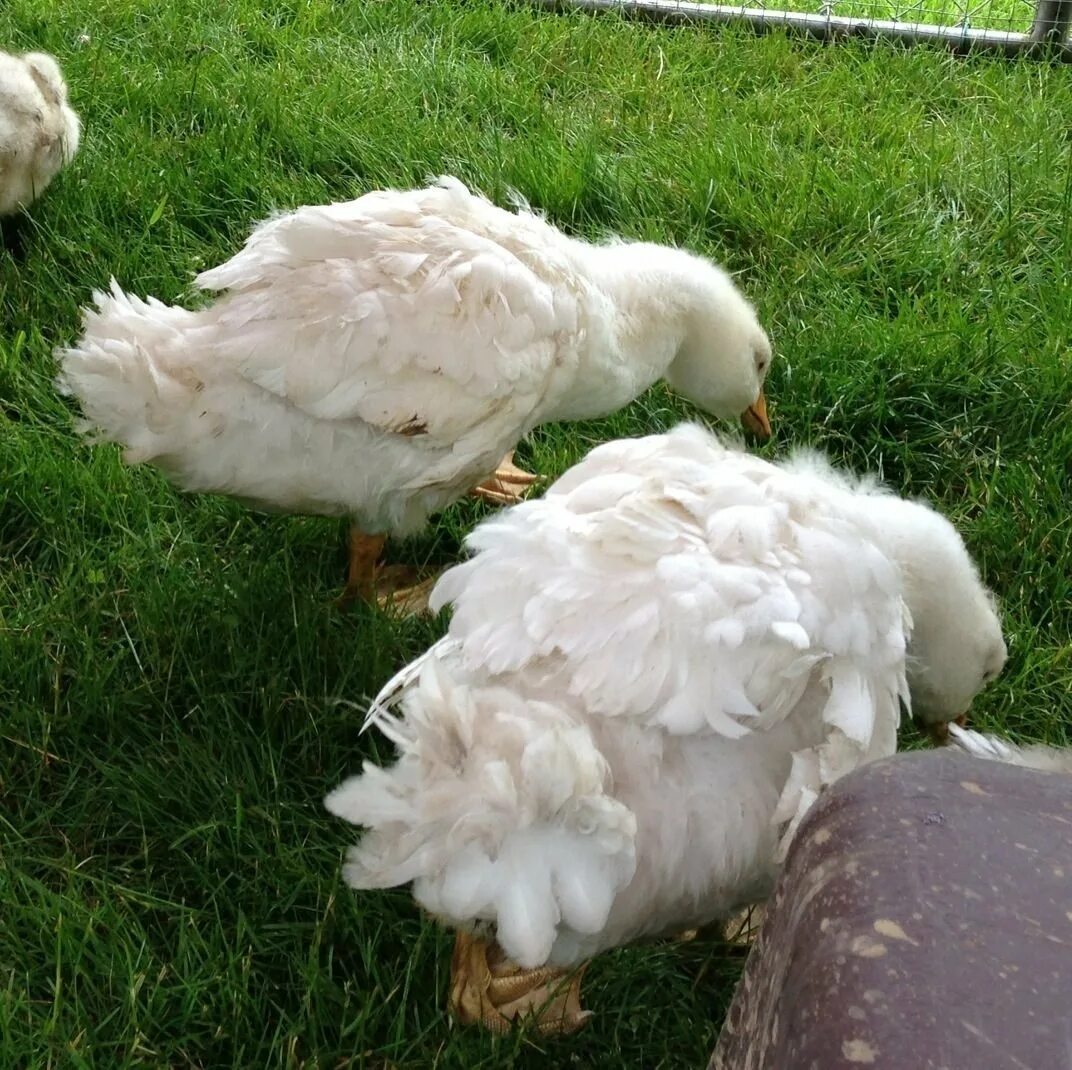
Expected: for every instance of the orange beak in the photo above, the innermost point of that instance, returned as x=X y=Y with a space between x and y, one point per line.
x=939 y=733
x=755 y=418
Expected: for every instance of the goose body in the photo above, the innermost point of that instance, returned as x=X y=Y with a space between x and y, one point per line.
x=377 y=358
x=39 y=132
x=649 y=676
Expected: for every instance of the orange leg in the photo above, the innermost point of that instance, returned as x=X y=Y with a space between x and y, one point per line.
x=486 y=988
x=390 y=586
x=365 y=552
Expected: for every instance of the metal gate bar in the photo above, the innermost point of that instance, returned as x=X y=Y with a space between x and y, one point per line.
x=1049 y=34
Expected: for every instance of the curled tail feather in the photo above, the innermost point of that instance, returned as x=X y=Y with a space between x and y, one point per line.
x=129 y=392
x=497 y=810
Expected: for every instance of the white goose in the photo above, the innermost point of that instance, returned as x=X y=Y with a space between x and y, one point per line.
x=39 y=132
x=378 y=358
x=649 y=675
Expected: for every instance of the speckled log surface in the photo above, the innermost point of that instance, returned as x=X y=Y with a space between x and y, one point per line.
x=923 y=922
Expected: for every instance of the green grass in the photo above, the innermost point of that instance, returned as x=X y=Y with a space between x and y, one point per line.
x=169 y=666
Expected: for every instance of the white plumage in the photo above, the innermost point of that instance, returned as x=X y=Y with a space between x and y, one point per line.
x=39 y=132
x=377 y=358
x=649 y=676
x=1028 y=756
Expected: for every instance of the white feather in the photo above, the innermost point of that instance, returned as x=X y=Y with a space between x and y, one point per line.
x=650 y=675
x=377 y=358
x=39 y=132
x=1032 y=756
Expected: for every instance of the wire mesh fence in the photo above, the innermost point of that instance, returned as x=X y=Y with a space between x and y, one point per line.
x=1032 y=27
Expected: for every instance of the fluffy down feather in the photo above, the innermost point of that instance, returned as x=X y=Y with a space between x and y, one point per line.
x=379 y=357
x=39 y=132
x=1030 y=756
x=649 y=676
x=497 y=809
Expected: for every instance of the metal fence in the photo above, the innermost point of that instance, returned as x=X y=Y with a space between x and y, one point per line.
x=1038 y=28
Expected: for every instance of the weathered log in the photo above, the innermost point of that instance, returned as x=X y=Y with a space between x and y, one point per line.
x=923 y=922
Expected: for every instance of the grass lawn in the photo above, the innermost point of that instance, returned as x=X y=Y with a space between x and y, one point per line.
x=169 y=666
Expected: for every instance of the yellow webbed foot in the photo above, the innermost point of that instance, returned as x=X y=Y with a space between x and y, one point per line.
x=508 y=485
x=742 y=929
x=489 y=990
x=739 y=930
x=407 y=595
